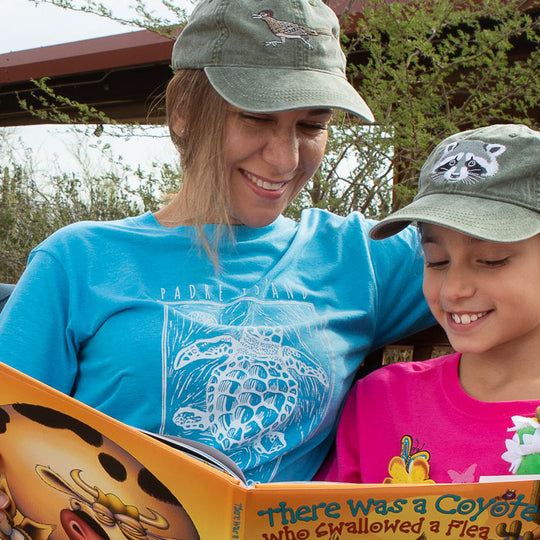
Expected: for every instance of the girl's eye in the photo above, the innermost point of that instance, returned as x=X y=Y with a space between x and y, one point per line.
x=435 y=264
x=495 y=263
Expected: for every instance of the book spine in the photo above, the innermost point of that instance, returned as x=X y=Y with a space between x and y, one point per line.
x=238 y=514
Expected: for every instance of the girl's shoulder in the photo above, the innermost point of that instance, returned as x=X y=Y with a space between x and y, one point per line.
x=411 y=372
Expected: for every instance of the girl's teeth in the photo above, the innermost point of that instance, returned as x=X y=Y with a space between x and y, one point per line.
x=467 y=319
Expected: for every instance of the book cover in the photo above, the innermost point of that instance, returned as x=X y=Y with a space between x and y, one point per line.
x=69 y=471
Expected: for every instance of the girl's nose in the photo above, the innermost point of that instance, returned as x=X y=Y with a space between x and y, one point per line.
x=458 y=283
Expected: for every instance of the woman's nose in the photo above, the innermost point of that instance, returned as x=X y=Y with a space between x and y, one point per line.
x=282 y=151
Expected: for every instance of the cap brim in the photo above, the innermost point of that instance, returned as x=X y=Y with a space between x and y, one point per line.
x=485 y=219
x=270 y=89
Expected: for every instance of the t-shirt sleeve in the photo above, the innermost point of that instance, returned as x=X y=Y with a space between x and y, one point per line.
x=35 y=335
x=398 y=267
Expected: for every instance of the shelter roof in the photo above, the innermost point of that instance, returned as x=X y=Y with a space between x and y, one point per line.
x=122 y=75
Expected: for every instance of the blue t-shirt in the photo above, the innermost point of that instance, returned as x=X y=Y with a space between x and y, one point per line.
x=254 y=358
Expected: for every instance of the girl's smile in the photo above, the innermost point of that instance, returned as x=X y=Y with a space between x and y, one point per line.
x=467 y=318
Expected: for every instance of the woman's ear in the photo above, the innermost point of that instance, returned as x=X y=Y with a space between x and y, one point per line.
x=178 y=125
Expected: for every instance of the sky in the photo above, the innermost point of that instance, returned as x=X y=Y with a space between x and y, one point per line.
x=25 y=25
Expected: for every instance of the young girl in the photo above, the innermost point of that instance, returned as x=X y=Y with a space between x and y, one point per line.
x=216 y=318
x=447 y=419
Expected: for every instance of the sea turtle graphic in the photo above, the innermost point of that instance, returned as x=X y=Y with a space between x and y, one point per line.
x=254 y=389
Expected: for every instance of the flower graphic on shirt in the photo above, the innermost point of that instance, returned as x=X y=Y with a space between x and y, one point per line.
x=417 y=472
x=410 y=467
x=523 y=450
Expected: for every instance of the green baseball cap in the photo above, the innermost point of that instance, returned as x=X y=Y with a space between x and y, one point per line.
x=269 y=56
x=484 y=183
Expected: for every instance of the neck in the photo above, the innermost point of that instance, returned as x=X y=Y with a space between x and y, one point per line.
x=505 y=373
x=177 y=214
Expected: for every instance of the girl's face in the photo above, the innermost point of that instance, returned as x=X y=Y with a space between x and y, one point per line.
x=269 y=158
x=486 y=295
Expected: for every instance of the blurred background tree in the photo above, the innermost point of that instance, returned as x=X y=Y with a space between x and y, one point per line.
x=32 y=207
x=427 y=69
x=431 y=68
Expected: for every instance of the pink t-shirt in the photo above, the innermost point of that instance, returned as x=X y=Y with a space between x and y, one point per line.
x=412 y=422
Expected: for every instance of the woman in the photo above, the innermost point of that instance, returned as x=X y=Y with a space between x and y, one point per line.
x=218 y=319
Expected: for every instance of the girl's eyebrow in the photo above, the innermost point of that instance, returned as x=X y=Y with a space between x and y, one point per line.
x=432 y=239
x=428 y=239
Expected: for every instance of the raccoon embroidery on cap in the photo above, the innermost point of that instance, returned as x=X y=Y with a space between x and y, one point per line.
x=468 y=162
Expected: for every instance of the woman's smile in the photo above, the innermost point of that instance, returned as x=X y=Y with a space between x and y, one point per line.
x=264 y=183
x=269 y=158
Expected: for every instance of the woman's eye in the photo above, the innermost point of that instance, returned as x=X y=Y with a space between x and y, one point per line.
x=254 y=118
x=319 y=126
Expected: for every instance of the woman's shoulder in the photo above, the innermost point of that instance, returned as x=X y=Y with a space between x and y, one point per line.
x=91 y=226
x=81 y=232
x=324 y=227
x=320 y=216
x=353 y=224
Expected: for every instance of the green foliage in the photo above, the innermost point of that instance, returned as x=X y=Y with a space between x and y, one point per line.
x=31 y=210
x=355 y=174
x=138 y=15
x=429 y=69
x=52 y=107
x=426 y=68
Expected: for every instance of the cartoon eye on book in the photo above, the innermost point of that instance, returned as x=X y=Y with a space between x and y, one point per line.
x=83 y=492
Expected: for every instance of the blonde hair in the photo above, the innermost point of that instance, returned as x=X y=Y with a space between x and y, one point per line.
x=192 y=102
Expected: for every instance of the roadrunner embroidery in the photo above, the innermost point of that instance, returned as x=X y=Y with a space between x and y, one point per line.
x=286 y=30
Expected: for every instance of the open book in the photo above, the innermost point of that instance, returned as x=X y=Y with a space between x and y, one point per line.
x=68 y=471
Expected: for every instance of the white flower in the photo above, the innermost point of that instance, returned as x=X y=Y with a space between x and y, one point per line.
x=515 y=449
x=513 y=453
x=521 y=422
